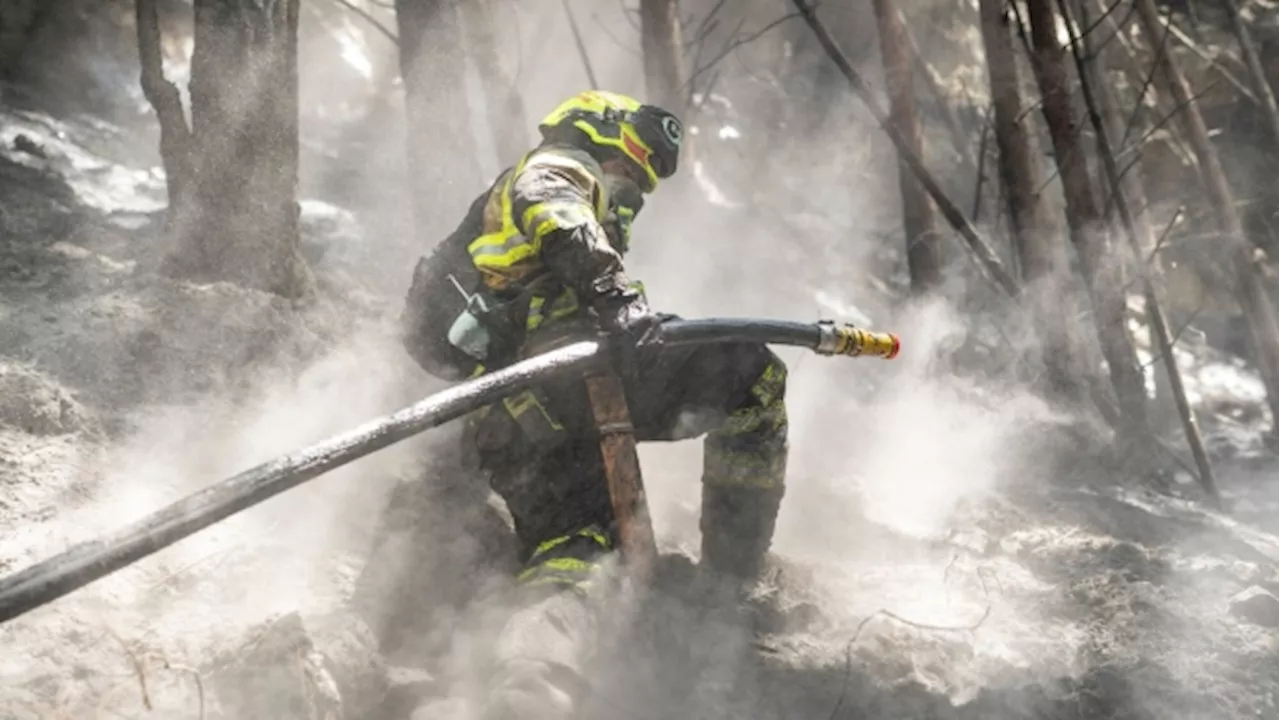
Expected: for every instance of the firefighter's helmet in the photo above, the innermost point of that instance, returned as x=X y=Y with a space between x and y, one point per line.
x=646 y=135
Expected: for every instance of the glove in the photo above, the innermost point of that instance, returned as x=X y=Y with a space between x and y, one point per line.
x=633 y=328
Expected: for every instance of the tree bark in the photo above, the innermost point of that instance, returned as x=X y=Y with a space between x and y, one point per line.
x=1088 y=232
x=444 y=171
x=175 y=135
x=232 y=175
x=1257 y=76
x=661 y=42
x=1040 y=253
x=1251 y=291
x=924 y=251
x=507 y=118
x=1147 y=273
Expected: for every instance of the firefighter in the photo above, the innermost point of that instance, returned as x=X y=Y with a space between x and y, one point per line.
x=537 y=262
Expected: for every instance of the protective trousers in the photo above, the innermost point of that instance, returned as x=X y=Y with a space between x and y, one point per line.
x=542 y=452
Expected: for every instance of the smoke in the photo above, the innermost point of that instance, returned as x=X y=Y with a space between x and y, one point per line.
x=788 y=211
x=177 y=450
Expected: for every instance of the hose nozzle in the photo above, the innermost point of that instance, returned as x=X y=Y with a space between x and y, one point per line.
x=852 y=341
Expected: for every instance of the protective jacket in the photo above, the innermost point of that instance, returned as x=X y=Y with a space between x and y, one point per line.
x=542 y=242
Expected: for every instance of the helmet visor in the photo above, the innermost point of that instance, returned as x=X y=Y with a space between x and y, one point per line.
x=663 y=132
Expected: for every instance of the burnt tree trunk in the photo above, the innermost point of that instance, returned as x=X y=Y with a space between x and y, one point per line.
x=232 y=174
x=924 y=247
x=662 y=43
x=508 y=121
x=1041 y=254
x=1251 y=291
x=444 y=172
x=1088 y=233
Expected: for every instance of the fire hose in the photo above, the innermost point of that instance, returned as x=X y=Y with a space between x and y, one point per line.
x=82 y=564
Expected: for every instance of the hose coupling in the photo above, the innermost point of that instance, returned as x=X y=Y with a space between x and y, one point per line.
x=848 y=340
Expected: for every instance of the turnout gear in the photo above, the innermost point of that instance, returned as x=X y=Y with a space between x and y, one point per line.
x=537 y=262
x=544 y=240
x=733 y=394
x=551 y=230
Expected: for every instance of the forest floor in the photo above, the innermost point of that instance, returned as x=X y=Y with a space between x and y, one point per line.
x=1064 y=594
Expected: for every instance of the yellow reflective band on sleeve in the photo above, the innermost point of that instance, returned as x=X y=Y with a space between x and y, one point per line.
x=497 y=255
x=500 y=250
x=547 y=217
x=506 y=256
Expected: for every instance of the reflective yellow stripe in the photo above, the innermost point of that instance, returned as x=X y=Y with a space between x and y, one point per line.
x=567 y=571
x=497 y=252
x=565 y=304
x=507 y=256
x=520 y=403
x=581 y=586
x=533 y=320
x=541 y=428
x=554 y=543
x=568 y=568
x=546 y=217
